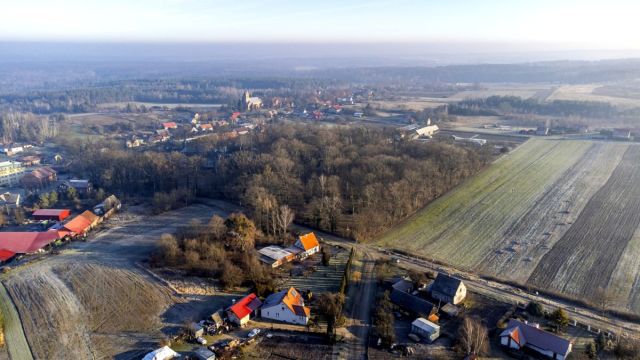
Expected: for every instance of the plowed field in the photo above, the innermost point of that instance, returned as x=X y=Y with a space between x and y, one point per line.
x=559 y=214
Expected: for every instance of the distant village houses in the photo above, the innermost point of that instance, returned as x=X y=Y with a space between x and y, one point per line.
x=39 y=178
x=10 y=173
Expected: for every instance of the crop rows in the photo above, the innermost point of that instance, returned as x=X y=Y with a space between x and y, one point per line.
x=469 y=222
x=562 y=215
x=588 y=253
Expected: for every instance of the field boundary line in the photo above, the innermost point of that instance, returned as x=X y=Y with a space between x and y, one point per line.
x=159 y=278
x=16 y=340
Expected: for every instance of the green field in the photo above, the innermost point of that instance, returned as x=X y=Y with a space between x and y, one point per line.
x=512 y=220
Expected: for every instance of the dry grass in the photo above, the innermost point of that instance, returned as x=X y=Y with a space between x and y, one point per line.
x=586 y=93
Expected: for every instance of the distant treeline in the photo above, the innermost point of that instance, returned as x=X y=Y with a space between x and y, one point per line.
x=504 y=105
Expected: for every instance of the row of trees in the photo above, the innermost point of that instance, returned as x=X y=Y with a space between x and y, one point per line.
x=134 y=173
x=505 y=105
x=27 y=127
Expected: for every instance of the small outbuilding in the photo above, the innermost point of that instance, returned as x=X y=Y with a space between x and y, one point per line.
x=204 y=354
x=164 y=353
x=425 y=329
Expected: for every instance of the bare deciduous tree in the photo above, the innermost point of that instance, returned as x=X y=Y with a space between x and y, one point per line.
x=285 y=218
x=473 y=336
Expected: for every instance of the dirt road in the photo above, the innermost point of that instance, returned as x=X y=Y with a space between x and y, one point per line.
x=361 y=297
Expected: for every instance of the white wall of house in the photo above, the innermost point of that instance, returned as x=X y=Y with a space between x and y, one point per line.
x=505 y=341
x=281 y=312
x=460 y=294
x=234 y=319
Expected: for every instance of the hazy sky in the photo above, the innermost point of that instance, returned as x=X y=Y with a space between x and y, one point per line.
x=610 y=24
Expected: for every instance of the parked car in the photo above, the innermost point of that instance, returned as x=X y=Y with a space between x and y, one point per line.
x=253 y=333
x=200 y=340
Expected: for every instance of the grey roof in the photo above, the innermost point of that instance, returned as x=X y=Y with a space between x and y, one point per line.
x=204 y=354
x=538 y=338
x=275 y=298
x=446 y=284
x=403 y=285
x=401 y=296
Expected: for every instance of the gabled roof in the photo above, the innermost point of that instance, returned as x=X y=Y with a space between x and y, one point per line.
x=245 y=306
x=26 y=242
x=526 y=334
x=401 y=296
x=291 y=298
x=446 y=284
x=89 y=216
x=308 y=241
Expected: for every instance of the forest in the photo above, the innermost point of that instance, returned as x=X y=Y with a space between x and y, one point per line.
x=356 y=181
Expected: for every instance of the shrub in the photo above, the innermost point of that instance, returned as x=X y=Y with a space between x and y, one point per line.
x=535 y=309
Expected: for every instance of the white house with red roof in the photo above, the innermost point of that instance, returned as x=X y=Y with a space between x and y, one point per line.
x=169 y=125
x=286 y=306
x=308 y=244
x=241 y=312
x=520 y=334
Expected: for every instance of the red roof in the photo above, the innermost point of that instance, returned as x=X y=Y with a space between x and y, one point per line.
x=79 y=224
x=235 y=115
x=26 y=242
x=6 y=255
x=245 y=306
x=309 y=241
x=60 y=214
x=50 y=212
x=169 y=125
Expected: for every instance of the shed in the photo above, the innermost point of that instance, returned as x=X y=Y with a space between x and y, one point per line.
x=204 y=354
x=164 y=353
x=425 y=329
